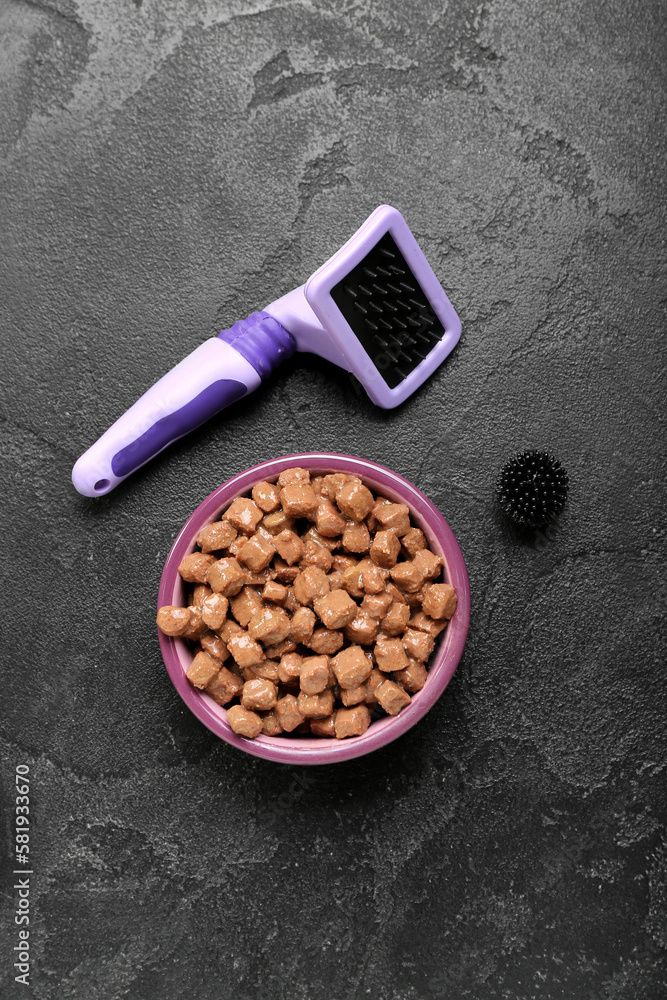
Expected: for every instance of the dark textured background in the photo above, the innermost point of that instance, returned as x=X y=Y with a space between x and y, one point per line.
x=166 y=169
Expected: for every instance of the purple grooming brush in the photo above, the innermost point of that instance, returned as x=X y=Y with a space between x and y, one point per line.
x=375 y=309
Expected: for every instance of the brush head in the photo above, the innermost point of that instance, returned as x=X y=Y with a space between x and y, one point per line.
x=385 y=306
x=383 y=309
x=532 y=488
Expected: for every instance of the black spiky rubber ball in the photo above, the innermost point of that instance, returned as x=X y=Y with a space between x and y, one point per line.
x=532 y=488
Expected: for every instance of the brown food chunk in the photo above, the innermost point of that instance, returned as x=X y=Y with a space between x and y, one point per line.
x=352 y=667
x=268 y=669
x=274 y=592
x=271 y=725
x=214 y=610
x=291 y=604
x=371 y=520
x=376 y=605
x=199 y=594
x=326 y=641
x=172 y=620
x=309 y=584
x=289 y=546
x=196 y=626
x=247 y=673
x=257 y=553
x=396 y=620
x=316 y=555
x=413 y=678
x=335 y=580
x=332 y=483
x=356 y=537
x=393 y=515
x=278 y=649
x=323 y=727
x=315 y=706
x=439 y=600
x=229 y=629
x=414 y=601
x=315 y=536
x=354 y=500
x=413 y=540
x=283 y=573
x=408 y=575
x=392 y=697
x=390 y=655
x=195 y=566
x=270 y=625
x=352 y=721
x=287 y=713
x=341 y=563
x=202 y=670
x=251 y=579
x=395 y=593
x=429 y=564
x=261 y=530
x=363 y=628
x=423 y=623
x=259 y=695
x=302 y=624
x=266 y=496
x=224 y=686
x=354 y=696
x=328 y=520
x=289 y=668
x=336 y=609
x=373 y=578
x=352 y=580
x=385 y=549
x=376 y=678
x=214 y=646
x=314 y=674
x=278 y=521
x=244 y=722
x=216 y=536
x=225 y=576
x=294 y=477
x=419 y=645
x=245 y=650
x=237 y=545
x=245 y=604
x=299 y=500
x=259 y=579
x=244 y=514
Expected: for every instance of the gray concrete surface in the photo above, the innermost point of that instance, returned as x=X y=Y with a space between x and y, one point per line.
x=166 y=168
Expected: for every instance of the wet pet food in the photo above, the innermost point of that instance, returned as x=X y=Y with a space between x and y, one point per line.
x=313 y=607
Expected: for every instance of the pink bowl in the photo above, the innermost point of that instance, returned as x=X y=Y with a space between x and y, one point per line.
x=321 y=750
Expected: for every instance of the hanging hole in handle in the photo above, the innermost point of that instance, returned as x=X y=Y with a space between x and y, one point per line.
x=101 y=485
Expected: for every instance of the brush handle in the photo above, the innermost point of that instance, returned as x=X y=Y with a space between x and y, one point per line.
x=210 y=378
x=220 y=371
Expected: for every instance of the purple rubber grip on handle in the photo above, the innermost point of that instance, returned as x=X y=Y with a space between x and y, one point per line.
x=213 y=376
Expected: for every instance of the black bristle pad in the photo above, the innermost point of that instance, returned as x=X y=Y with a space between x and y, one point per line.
x=385 y=307
x=532 y=488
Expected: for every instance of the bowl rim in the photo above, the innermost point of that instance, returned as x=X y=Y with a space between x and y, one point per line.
x=321 y=750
